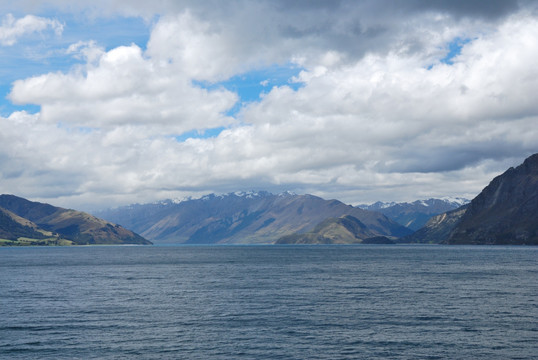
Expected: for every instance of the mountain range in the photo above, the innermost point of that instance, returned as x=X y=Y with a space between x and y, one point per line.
x=505 y=212
x=350 y=230
x=414 y=215
x=250 y=218
x=24 y=222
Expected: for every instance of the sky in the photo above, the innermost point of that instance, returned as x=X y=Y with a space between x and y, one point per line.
x=109 y=103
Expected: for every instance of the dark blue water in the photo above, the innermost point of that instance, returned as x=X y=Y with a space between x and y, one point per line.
x=269 y=302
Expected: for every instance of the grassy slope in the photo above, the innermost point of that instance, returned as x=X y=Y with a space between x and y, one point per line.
x=44 y=224
x=22 y=241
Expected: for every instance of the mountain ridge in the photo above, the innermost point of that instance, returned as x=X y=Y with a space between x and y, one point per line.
x=29 y=222
x=262 y=217
x=415 y=215
x=437 y=229
x=13 y=227
x=346 y=229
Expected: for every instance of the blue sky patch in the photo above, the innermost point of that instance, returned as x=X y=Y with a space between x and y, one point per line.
x=200 y=134
x=249 y=86
x=109 y=32
x=454 y=49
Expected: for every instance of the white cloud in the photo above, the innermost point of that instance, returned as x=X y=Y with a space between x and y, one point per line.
x=192 y=47
x=124 y=87
x=411 y=119
x=12 y=29
x=86 y=50
x=370 y=122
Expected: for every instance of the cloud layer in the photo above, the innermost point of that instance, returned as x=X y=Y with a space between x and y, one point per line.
x=378 y=114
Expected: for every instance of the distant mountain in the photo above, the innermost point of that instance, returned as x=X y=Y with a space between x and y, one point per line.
x=253 y=217
x=343 y=230
x=37 y=223
x=505 y=212
x=437 y=229
x=416 y=214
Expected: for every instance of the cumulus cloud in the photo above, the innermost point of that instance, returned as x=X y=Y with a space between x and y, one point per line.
x=124 y=87
x=390 y=114
x=12 y=29
x=378 y=115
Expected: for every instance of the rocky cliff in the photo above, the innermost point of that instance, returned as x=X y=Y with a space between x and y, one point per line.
x=505 y=212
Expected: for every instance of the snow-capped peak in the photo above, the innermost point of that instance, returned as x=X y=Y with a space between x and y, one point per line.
x=456 y=200
x=287 y=193
x=248 y=194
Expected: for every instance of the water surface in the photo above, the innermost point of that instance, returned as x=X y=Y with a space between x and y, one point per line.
x=269 y=302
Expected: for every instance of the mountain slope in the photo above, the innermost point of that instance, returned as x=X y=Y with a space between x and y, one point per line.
x=343 y=230
x=241 y=218
x=416 y=214
x=437 y=229
x=505 y=212
x=79 y=227
x=13 y=227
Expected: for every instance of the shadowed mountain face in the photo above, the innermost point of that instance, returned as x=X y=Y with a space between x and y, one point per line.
x=505 y=212
x=241 y=218
x=23 y=218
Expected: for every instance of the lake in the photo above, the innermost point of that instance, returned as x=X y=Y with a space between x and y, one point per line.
x=269 y=302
